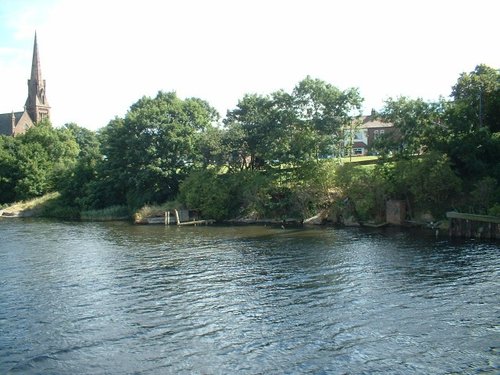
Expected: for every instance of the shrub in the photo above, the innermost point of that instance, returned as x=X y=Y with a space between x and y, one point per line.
x=366 y=189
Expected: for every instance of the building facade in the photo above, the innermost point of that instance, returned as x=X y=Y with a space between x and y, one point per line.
x=36 y=107
x=364 y=132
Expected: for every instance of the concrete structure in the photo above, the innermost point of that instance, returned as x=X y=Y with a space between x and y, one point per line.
x=36 y=107
x=395 y=211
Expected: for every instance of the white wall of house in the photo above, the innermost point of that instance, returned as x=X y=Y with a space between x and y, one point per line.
x=360 y=135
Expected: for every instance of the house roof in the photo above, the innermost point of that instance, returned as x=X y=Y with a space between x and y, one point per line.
x=6 y=122
x=359 y=145
x=368 y=122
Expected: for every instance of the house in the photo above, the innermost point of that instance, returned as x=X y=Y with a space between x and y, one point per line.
x=36 y=107
x=362 y=134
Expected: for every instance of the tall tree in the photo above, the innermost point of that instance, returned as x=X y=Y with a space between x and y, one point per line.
x=293 y=128
x=417 y=122
x=477 y=99
x=323 y=111
x=74 y=184
x=473 y=124
x=252 y=120
x=154 y=147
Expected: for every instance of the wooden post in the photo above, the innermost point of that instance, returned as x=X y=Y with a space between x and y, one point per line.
x=167 y=217
x=177 y=217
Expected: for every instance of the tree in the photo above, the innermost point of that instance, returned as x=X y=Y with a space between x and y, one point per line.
x=323 y=111
x=252 y=121
x=152 y=149
x=74 y=183
x=9 y=168
x=477 y=99
x=32 y=164
x=292 y=128
x=472 y=122
x=417 y=123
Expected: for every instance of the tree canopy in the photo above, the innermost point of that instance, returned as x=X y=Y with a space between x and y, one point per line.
x=270 y=154
x=147 y=153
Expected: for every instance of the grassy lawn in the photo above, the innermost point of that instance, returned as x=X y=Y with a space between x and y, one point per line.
x=359 y=159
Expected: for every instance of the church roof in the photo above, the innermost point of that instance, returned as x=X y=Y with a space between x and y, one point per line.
x=6 y=122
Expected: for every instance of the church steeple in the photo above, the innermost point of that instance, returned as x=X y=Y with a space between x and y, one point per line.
x=36 y=71
x=37 y=105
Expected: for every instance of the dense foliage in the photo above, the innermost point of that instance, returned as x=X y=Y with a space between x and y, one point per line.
x=274 y=156
x=33 y=164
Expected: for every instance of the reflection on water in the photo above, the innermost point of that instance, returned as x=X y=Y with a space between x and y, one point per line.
x=122 y=299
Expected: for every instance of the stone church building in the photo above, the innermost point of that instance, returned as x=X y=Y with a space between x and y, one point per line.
x=36 y=107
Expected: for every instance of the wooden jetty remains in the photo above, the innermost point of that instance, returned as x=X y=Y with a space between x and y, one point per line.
x=473 y=226
x=179 y=217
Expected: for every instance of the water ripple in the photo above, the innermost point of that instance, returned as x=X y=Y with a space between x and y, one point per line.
x=119 y=299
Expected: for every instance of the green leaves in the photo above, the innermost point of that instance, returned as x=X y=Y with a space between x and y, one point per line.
x=33 y=164
x=154 y=147
x=292 y=128
x=416 y=121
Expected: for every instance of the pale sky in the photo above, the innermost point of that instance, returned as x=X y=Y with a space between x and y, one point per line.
x=100 y=56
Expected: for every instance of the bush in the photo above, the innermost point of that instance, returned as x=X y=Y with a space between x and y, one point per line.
x=366 y=189
x=208 y=192
x=427 y=183
x=484 y=195
x=495 y=210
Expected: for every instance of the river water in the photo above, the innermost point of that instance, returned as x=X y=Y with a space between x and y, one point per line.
x=95 y=298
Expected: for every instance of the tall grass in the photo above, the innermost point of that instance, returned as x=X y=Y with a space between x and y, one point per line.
x=32 y=207
x=106 y=214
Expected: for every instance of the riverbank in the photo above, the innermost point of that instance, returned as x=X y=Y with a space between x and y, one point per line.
x=30 y=208
x=48 y=206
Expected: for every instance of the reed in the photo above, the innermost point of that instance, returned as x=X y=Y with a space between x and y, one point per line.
x=112 y=213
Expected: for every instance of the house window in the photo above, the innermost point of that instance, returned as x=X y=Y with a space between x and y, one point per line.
x=377 y=133
x=358 y=151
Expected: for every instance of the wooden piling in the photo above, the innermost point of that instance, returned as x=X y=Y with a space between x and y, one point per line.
x=477 y=226
x=177 y=217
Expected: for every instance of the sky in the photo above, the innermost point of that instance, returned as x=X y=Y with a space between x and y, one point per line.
x=101 y=56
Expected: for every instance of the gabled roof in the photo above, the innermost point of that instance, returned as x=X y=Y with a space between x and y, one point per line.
x=6 y=122
x=368 y=122
x=359 y=145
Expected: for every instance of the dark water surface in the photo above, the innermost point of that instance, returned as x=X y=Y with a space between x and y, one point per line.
x=83 y=298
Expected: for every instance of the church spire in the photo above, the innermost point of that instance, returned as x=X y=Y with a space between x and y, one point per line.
x=36 y=71
x=37 y=105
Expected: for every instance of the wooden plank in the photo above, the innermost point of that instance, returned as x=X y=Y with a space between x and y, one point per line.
x=197 y=222
x=155 y=220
